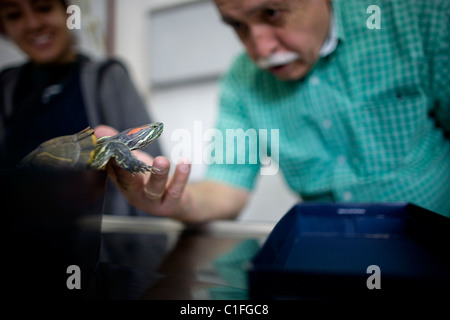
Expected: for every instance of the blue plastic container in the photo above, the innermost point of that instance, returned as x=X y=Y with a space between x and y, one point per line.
x=359 y=250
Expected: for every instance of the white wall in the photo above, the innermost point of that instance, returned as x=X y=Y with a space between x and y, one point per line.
x=182 y=106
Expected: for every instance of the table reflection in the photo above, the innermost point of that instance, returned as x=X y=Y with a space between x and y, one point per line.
x=152 y=258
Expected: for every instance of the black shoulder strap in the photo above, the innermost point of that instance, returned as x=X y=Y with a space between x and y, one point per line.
x=8 y=80
x=103 y=66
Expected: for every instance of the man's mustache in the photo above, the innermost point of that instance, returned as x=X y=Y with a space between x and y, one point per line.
x=277 y=59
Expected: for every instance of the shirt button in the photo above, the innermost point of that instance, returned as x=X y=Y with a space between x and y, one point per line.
x=314 y=80
x=348 y=196
x=341 y=159
x=326 y=123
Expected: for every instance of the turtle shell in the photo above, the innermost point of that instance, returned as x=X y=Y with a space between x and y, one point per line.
x=66 y=152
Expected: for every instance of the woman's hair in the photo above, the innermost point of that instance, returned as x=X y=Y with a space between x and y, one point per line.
x=64 y=3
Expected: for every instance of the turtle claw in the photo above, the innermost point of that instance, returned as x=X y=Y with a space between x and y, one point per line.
x=153 y=169
x=143 y=168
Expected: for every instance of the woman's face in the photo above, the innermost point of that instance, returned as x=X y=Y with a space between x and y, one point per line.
x=38 y=27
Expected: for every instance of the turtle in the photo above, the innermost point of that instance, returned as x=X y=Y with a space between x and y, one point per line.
x=84 y=150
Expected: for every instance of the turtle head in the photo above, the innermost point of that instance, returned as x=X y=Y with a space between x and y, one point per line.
x=140 y=137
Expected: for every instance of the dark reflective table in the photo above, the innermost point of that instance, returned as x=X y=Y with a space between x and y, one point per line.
x=160 y=259
x=52 y=221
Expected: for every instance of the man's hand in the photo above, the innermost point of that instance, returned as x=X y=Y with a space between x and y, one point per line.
x=156 y=194
x=151 y=192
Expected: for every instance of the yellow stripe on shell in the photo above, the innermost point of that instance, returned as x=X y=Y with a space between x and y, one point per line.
x=92 y=153
x=52 y=156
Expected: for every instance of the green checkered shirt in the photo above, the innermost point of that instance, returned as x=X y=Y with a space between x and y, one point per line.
x=369 y=123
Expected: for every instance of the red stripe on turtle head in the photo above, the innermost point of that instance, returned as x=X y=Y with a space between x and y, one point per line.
x=136 y=130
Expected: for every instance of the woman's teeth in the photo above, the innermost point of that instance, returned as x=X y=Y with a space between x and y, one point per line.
x=40 y=40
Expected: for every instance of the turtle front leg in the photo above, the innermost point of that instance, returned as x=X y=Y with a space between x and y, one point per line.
x=123 y=156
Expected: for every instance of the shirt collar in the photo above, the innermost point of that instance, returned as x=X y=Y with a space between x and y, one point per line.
x=334 y=33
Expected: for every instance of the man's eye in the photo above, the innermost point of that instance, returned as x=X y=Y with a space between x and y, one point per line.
x=271 y=12
x=236 y=25
x=272 y=15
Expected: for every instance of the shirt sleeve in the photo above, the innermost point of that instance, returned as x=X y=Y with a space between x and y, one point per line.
x=234 y=161
x=441 y=65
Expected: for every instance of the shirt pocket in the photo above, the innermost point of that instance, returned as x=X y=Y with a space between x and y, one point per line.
x=390 y=125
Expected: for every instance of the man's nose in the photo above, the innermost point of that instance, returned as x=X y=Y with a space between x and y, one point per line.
x=263 y=41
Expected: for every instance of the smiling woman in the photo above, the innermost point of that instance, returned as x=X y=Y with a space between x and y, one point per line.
x=39 y=29
x=59 y=91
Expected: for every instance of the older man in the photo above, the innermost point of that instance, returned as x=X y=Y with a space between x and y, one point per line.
x=360 y=100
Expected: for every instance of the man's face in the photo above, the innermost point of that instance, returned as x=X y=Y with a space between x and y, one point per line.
x=38 y=27
x=282 y=36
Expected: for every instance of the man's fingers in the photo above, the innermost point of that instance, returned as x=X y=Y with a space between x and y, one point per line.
x=152 y=192
x=156 y=186
x=178 y=183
